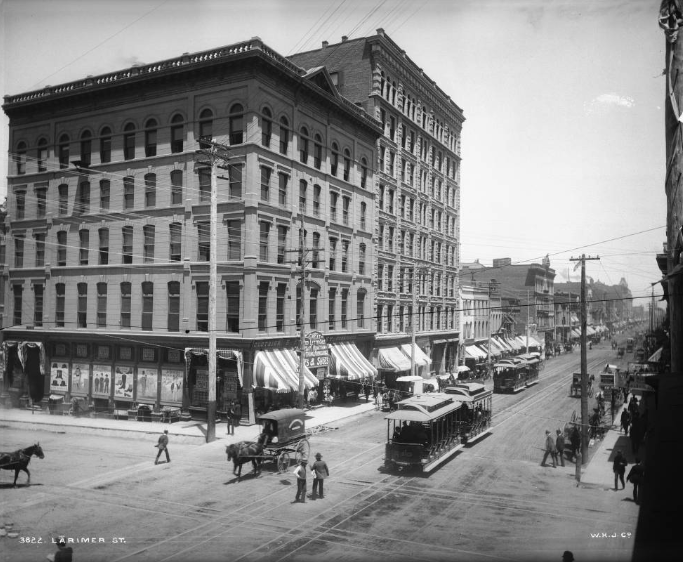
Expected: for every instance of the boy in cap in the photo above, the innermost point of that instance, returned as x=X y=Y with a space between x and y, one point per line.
x=300 y=473
x=320 y=472
x=163 y=446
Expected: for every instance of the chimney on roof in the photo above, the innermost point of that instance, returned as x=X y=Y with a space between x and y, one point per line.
x=325 y=44
x=344 y=38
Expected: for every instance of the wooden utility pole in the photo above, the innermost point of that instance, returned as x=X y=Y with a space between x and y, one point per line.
x=216 y=154
x=302 y=343
x=584 y=359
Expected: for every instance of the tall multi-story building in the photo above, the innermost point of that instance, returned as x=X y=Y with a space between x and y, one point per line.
x=108 y=242
x=418 y=195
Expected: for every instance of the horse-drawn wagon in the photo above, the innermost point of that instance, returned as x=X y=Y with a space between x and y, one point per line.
x=283 y=437
x=18 y=461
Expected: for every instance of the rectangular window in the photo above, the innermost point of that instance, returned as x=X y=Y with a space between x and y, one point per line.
x=84 y=249
x=173 y=318
x=177 y=138
x=61 y=248
x=82 y=306
x=147 y=305
x=345 y=256
x=82 y=204
x=332 y=305
x=281 y=244
x=333 y=254
x=204 y=239
x=202 y=306
x=204 y=184
x=103 y=235
x=234 y=240
x=232 y=289
x=316 y=200
x=40 y=248
x=262 y=306
x=38 y=301
x=20 y=205
x=344 y=307
x=18 y=252
x=363 y=215
x=125 y=304
x=333 y=206
x=264 y=240
x=104 y=195
x=41 y=197
x=128 y=193
x=63 y=208
x=127 y=245
x=235 y=179
x=151 y=142
x=176 y=187
x=265 y=183
x=346 y=204
x=302 y=197
x=313 y=312
x=18 y=304
x=361 y=259
x=148 y=247
x=280 y=307
x=60 y=297
x=282 y=191
x=175 y=233
x=101 y=305
x=150 y=190
x=360 y=310
x=42 y=158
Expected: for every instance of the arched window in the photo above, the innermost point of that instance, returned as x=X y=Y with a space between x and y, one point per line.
x=64 y=151
x=318 y=152
x=334 y=160
x=129 y=142
x=205 y=128
x=105 y=145
x=151 y=137
x=86 y=148
x=42 y=154
x=284 y=135
x=236 y=121
x=177 y=133
x=303 y=145
x=20 y=158
x=347 y=164
x=266 y=127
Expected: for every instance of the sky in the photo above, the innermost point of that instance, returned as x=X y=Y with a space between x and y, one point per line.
x=563 y=145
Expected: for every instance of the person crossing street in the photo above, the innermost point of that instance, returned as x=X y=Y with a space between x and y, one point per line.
x=162 y=445
x=550 y=449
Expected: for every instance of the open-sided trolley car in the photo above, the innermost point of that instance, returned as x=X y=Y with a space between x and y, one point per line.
x=509 y=375
x=478 y=406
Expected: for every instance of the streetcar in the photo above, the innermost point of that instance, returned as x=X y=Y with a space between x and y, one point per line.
x=509 y=375
x=533 y=366
x=423 y=432
x=478 y=405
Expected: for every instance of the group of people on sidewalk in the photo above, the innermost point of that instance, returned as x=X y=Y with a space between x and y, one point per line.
x=635 y=475
x=555 y=447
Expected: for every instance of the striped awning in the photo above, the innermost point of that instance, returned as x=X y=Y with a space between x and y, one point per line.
x=393 y=359
x=347 y=362
x=220 y=353
x=421 y=358
x=278 y=370
x=474 y=352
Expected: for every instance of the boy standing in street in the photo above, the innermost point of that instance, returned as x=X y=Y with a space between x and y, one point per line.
x=300 y=473
x=320 y=472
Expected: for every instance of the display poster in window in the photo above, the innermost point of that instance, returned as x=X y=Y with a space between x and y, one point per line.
x=123 y=384
x=202 y=380
x=171 y=385
x=147 y=384
x=80 y=379
x=231 y=385
x=59 y=373
x=101 y=378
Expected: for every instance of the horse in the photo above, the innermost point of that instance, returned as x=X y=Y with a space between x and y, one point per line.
x=18 y=460
x=243 y=452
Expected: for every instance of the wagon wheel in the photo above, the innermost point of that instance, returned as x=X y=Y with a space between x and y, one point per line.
x=303 y=450
x=283 y=461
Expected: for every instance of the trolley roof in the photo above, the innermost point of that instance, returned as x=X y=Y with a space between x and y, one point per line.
x=424 y=408
x=468 y=392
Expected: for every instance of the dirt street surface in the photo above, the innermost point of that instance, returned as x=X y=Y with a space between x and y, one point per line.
x=492 y=501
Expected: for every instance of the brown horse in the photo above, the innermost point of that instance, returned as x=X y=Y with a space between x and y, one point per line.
x=243 y=452
x=18 y=460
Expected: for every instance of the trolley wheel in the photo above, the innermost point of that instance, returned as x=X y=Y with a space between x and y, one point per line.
x=283 y=461
x=303 y=450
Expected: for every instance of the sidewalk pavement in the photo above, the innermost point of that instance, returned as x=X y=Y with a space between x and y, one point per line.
x=191 y=432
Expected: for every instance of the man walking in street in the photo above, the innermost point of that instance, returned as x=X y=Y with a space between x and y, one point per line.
x=300 y=473
x=559 y=445
x=619 y=468
x=549 y=448
x=635 y=477
x=162 y=446
x=320 y=472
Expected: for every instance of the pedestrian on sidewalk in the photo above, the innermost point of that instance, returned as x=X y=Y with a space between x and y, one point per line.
x=231 y=419
x=625 y=420
x=162 y=445
x=320 y=472
x=300 y=473
x=559 y=445
x=619 y=468
x=635 y=477
x=549 y=449
x=366 y=390
x=575 y=440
